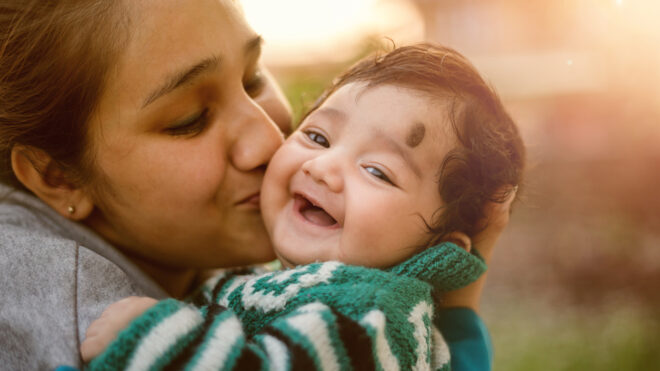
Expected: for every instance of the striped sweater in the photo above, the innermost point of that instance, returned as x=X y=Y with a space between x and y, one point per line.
x=324 y=316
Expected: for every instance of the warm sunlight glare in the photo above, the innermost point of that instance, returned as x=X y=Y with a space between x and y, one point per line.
x=301 y=31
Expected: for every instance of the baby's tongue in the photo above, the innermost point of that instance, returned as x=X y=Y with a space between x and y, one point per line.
x=318 y=216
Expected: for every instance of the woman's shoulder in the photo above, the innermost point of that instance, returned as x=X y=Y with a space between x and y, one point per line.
x=31 y=237
x=56 y=277
x=36 y=238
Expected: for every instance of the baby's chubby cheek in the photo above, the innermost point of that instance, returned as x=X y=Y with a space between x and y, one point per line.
x=275 y=193
x=273 y=220
x=269 y=201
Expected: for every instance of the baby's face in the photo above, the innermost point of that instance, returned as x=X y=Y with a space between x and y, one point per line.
x=355 y=180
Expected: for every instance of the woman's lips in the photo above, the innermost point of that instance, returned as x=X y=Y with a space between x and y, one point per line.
x=251 y=200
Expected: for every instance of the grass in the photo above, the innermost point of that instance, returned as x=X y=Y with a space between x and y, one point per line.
x=616 y=338
x=302 y=94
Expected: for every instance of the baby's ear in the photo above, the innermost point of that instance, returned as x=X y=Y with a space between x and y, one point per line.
x=461 y=239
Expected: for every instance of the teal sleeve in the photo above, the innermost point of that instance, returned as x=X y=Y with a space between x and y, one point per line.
x=468 y=339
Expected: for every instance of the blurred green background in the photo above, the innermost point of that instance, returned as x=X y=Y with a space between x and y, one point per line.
x=575 y=280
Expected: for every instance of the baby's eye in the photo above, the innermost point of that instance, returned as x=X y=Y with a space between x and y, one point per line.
x=318 y=138
x=378 y=174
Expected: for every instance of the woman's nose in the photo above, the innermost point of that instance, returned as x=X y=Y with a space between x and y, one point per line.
x=326 y=170
x=255 y=137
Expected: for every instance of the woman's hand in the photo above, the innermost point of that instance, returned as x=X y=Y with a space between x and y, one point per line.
x=114 y=318
x=497 y=218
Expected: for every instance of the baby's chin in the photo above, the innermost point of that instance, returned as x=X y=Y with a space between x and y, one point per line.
x=286 y=263
x=293 y=259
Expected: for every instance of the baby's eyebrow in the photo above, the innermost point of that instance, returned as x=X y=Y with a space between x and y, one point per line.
x=332 y=113
x=401 y=150
x=415 y=135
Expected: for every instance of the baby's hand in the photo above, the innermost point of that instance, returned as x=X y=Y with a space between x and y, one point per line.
x=114 y=318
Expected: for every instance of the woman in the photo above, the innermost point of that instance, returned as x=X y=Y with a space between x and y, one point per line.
x=140 y=131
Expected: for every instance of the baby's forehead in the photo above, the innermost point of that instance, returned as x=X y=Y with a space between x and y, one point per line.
x=417 y=119
x=433 y=122
x=432 y=128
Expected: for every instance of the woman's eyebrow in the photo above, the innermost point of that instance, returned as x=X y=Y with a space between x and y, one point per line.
x=252 y=49
x=179 y=78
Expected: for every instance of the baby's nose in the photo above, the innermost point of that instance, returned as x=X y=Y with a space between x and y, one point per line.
x=325 y=170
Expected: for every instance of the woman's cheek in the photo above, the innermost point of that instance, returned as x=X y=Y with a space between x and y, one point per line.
x=200 y=169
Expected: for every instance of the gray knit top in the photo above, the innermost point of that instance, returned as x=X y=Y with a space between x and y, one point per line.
x=56 y=276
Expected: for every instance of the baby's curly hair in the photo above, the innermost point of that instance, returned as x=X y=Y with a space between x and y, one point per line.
x=488 y=161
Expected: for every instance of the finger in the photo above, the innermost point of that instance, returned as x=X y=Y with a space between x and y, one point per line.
x=495 y=220
x=89 y=349
x=92 y=330
x=497 y=213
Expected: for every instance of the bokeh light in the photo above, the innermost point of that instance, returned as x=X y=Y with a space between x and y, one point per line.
x=305 y=32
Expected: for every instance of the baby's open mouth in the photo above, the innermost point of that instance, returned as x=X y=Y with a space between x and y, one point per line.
x=312 y=213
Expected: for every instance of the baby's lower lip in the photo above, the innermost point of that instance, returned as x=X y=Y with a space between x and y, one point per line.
x=299 y=203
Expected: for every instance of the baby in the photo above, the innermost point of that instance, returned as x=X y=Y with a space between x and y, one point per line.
x=392 y=169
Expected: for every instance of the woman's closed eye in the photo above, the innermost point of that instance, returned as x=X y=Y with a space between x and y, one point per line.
x=376 y=172
x=190 y=126
x=317 y=138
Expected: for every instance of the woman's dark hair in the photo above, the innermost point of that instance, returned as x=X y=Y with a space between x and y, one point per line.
x=488 y=161
x=54 y=59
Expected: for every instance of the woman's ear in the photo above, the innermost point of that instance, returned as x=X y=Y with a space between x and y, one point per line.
x=461 y=239
x=37 y=171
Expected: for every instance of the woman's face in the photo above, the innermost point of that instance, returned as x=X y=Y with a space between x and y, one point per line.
x=182 y=135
